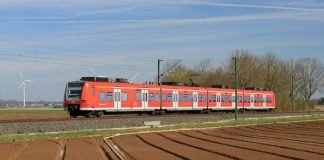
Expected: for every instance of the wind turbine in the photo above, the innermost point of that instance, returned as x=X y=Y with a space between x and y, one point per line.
x=93 y=72
x=23 y=84
x=133 y=78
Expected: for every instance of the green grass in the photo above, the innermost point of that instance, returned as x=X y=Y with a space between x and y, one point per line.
x=32 y=111
x=110 y=132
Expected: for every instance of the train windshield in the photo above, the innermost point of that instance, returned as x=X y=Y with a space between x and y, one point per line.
x=73 y=90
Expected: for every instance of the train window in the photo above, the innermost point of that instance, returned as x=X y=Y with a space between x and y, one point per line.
x=93 y=90
x=249 y=99
x=102 y=97
x=157 y=97
x=261 y=99
x=223 y=98
x=144 y=97
x=169 y=97
x=180 y=97
x=109 y=96
x=151 y=97
x=214 y=98
x=210 y=99
x=164 y=97
x=241 y=99
x=138 y=97
x=200 y=98
x=190 y=98
x=185 y=98
x=117 y=96
x=204 y=98
x=124 y=96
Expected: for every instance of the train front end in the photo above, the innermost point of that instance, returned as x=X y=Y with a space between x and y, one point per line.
x=72 y=97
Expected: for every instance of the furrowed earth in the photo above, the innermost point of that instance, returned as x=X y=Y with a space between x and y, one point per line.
x=296 y=140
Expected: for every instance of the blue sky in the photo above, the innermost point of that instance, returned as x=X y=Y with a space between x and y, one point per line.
x=55 y=41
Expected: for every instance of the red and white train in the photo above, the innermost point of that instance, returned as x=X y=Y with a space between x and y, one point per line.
x=97 y=96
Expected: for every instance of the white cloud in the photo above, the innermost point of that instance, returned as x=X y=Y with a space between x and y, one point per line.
x=248 y=6
x=183 y=21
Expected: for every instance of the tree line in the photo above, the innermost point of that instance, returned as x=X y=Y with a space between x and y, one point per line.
x=292 y=80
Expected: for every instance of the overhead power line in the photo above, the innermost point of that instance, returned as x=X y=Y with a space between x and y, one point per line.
x=65 y=60
x=77 y=52
x=83 y=65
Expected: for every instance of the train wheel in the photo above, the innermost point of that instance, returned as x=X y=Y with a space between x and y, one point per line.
x=153 y=113
x=99 y=114
x=73 y=112
x=88 y=115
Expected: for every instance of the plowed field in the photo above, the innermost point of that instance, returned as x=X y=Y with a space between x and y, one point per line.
x=300 y=140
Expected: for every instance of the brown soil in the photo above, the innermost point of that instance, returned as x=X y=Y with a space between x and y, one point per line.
x=84 y=149
x=277 y=141
x=32 y=117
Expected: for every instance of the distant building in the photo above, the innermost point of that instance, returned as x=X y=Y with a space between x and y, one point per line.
x=321 y=101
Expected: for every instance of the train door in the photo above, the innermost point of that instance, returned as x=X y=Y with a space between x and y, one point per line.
x=218 y=100
x=233 y=100
x=117 y=104
x=195 y=99
x=252 y=101
x=175 y=99
x=264 y=100
x=145 y=99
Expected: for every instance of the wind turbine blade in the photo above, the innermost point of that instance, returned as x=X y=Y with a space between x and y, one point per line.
x=133 y=78
x=21 y=75
x=29 y=81
x=93 y=72
x=21 y=84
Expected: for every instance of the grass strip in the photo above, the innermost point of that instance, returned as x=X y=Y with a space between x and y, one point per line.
x=32 y=111
x=111 y=132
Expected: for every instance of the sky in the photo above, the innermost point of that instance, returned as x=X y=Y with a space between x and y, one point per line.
x=52 y=42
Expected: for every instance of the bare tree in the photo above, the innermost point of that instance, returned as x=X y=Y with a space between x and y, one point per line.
x=201 y=72
x=310 y=75
x=248 y=68
x=175 y=72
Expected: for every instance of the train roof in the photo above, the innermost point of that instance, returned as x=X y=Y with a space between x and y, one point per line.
x=151 y=85
x=119 y=82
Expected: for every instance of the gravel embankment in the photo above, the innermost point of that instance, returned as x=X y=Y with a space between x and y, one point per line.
x=92 y=123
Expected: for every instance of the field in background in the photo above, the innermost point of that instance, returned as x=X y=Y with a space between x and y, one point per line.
x=8 y=114
x=319 y=107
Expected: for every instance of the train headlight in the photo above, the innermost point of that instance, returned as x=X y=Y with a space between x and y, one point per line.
x=83 y=101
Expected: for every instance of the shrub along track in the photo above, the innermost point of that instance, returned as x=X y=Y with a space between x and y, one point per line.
x=273 y=141
x=12 y=118
x=22 y=126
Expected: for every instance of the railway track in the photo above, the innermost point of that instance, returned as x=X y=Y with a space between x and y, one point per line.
x=130 y=116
